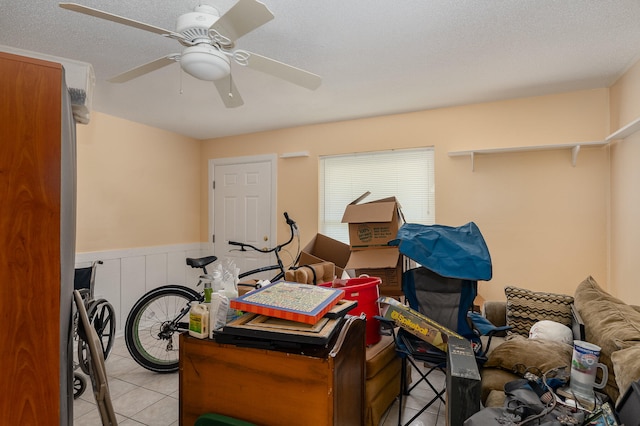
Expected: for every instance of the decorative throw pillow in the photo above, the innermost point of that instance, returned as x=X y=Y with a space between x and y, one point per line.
x=530 y=353
x=526 y=307
x=551 y=330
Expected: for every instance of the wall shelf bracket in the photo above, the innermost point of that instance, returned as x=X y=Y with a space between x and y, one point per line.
x=574 y=155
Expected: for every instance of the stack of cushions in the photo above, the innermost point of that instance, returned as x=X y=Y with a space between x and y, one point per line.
x=523 y=310
x=608 y=322
x=615 y=327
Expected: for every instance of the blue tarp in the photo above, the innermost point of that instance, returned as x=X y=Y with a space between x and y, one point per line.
x=454 y=252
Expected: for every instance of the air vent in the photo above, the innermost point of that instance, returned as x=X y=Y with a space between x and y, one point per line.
x=192 y=34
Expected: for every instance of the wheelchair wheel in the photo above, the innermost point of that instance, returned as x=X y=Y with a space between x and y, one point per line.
x=79 y=385
x=103 y=319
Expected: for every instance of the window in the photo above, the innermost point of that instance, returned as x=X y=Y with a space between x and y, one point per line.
x=406 y=174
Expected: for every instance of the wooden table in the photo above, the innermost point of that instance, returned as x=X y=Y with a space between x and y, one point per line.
x=322 y=386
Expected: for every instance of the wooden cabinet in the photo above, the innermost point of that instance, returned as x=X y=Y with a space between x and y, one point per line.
x=34 y=312
x=322 y=386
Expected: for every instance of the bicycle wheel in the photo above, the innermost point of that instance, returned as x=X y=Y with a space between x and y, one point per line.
x=152 y=327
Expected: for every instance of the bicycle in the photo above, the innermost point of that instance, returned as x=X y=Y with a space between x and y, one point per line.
x=101 y=316
x=156 y=319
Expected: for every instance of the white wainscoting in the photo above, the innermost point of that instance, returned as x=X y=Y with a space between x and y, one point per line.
x=126 y=275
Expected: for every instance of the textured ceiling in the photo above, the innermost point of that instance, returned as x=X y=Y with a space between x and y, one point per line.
x=375 y=57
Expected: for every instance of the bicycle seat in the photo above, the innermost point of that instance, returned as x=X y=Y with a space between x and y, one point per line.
x=201 y=261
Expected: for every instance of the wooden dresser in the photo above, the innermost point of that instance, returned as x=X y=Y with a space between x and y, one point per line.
x=323 y=386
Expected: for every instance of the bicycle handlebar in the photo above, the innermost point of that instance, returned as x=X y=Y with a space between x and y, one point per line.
x=292 y=227
x=290 y=221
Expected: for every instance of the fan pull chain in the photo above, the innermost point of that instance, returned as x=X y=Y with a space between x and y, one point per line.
x=230 y=86
x=181 y=72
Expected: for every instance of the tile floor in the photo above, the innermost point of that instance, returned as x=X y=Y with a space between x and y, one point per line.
x=141 y=397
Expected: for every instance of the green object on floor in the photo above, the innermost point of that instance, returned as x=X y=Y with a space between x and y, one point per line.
x=211 y=419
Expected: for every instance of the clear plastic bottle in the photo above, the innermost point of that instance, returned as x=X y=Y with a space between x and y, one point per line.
x=219 y=311
x=217 y=280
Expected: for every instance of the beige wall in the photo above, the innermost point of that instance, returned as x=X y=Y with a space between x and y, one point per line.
x=625 y=195
x=138 y=186
x=545 y=221
x=547 y=224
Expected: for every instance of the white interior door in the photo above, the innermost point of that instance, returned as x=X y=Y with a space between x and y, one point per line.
x=243 y=199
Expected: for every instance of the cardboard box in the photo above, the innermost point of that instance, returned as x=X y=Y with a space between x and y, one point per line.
x=384 y=263
x=372 y=224
x=417 y=324
x=322 y=248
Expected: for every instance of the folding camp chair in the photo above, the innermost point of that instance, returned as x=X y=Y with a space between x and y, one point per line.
x=443 y=300
x=443 y=289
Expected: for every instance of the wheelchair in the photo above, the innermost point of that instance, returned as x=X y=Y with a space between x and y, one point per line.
x=101 y=316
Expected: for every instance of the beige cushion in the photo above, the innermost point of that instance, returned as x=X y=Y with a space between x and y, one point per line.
x=518 y=353
x=496 y=398
x=609 y=322
x=626 y=366
x=379 y=355
x=494 y=379
x=526 y=307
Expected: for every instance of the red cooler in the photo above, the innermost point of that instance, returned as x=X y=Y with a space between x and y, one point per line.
x=365 y=291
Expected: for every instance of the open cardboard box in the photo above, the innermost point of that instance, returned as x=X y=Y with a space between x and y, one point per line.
x=384 y=263
x=322 y=248
x=372 y=224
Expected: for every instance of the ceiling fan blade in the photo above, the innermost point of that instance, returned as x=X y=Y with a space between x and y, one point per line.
x=243 y=17
x=281 y=70
x=119 y=19
x=144 y=69
x=228 y=92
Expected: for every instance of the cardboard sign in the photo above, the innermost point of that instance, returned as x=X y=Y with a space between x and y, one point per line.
x=417 y=324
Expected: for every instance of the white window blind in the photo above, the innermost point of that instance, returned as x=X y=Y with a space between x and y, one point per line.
x=406 y=174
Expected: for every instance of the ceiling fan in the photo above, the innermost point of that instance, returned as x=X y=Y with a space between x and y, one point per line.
x=209 y=41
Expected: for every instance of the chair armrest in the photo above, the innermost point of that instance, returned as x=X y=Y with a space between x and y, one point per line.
x=496 y=312
x=485 y=328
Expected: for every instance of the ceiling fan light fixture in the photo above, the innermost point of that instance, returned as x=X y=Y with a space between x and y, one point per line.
x=205 y=62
